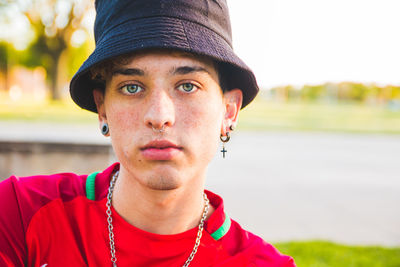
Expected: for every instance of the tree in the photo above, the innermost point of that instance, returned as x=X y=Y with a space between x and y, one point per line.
x=54 y=23
x=4 y=62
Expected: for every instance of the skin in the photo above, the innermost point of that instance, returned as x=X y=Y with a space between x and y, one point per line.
x=160 y=191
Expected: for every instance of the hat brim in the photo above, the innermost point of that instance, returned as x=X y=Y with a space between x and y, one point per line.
x=167 y=33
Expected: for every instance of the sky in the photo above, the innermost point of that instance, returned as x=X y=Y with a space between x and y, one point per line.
x=301 y=42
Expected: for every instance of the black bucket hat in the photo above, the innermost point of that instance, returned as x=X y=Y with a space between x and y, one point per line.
x=196 y=26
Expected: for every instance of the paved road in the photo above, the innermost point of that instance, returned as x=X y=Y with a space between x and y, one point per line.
x=285 y=186
x=51 y=132
x=340 y=187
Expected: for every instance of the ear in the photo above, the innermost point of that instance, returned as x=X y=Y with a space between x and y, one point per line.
x=98 y=96
x=233 y=102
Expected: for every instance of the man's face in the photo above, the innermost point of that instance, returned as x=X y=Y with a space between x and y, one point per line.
x=164 y=90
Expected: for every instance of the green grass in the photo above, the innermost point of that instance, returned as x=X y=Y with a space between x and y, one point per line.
x=302 y=116
x=55 y=111
x=261 y=115
x=324 y=254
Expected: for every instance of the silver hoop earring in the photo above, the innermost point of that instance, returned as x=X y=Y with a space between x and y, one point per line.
x=224 y=139
x=104 y=128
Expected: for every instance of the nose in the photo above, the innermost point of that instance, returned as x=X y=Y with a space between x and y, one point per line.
x=160 y=112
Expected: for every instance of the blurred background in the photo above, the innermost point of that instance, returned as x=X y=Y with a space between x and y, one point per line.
x=314 y=164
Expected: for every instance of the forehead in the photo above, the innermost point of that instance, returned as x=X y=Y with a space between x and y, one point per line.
x=163 y=54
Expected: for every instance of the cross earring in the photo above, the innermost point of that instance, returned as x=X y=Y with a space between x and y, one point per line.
x=224 y=140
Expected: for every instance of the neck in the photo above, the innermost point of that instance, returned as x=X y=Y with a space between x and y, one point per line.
x=163 y=212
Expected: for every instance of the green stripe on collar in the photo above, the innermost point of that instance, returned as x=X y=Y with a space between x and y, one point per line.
x=90 y=186
x=220 y=232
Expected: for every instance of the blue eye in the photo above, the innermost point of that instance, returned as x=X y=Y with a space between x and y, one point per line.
x=187 y=87
x=131 y=88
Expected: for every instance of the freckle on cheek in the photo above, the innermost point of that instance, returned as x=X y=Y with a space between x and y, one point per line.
x=127 y=119
x=192 y=117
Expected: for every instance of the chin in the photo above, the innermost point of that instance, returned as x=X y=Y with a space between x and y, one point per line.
x=163 y=182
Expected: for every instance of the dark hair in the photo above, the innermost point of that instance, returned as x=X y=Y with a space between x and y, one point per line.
x=102 y=71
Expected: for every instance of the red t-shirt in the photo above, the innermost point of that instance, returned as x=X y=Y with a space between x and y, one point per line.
x=60 y=220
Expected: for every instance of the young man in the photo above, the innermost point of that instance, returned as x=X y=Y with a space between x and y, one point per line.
x=167 y=87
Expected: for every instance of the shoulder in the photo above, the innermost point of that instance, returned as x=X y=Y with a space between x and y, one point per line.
x=238 y=247
x=42 y=188
x=33 y=192
x=20 y=199
x=29 y=194
x=256 y=250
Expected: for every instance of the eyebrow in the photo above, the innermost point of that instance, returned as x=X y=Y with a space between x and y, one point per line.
x=188 y=69
x=175 y=71
x=128 y=71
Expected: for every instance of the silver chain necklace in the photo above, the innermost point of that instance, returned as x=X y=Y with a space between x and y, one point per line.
x=111 y=227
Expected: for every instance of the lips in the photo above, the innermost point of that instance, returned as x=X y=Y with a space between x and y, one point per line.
x=160 y=150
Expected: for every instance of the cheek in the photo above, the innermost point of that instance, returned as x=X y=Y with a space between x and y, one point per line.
x=202 y=125
x=200 y=117
x=123 y=123
x=123 y=118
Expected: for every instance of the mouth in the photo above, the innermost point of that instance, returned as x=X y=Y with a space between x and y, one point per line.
x=160 y=150
x=160 y=144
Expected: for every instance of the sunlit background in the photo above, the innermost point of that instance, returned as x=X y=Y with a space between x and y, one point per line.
x=315 y=42
x=318 y=149
x=285 y=42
